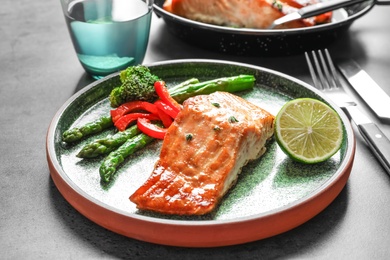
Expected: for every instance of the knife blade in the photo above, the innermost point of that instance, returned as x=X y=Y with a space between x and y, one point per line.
x=375 y=97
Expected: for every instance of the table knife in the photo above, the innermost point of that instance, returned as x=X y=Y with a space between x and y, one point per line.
x=313 y=10
x=375 y=97
x=377 y=141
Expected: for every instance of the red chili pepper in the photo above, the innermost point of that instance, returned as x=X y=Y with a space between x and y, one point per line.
x=163 y=93
x=131 y=106
x=150 y=129
x=127 y=119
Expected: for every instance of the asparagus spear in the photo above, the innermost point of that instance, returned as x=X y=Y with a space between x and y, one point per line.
x=184 y=84
x=94 y=127
x=112 y=161
x=228 y=84
x=107 y=144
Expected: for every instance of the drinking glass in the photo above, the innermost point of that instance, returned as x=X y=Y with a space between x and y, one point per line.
x=108 y=35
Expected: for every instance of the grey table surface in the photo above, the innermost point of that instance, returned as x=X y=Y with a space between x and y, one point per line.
x=39 y=71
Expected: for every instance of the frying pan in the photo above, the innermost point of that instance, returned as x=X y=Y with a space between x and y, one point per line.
x=264 y=42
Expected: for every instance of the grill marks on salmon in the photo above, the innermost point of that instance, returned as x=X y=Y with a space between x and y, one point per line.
x=257 y=14
x=203 y=152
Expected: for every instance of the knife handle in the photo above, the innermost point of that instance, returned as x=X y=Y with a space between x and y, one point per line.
x=378 y=143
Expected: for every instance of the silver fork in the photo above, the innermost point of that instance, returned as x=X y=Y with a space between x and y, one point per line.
x=325 y=78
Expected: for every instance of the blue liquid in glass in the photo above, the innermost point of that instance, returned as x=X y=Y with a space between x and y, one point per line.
x=109 y=35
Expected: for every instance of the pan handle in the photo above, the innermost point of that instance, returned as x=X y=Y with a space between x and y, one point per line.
x=382 y=2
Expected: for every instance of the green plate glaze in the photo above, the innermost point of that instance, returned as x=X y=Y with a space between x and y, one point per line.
x=273 y=193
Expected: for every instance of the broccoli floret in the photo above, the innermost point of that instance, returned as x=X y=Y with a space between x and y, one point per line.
x=137 y=84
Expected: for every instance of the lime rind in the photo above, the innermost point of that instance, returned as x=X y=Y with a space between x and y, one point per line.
x=308 y=130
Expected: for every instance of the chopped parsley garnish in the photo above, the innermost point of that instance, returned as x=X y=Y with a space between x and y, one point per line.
x=232 y=119
x=278 y=5
x=189 y=137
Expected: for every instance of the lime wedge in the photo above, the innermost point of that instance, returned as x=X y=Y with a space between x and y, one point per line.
x=308 y=130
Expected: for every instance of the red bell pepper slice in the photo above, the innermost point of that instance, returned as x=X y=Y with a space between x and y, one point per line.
x=150 y=129
x=165 y=116
x=163 y=94
x=122 y=123
x=322 y=18
x=131 y=106
x=161 y=105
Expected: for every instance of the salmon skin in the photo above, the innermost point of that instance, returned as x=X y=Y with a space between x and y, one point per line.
x=203 y=152
x=256 y=14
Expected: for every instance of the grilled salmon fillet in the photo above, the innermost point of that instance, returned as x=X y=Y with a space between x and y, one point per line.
x=257 y=14
x=203 y=152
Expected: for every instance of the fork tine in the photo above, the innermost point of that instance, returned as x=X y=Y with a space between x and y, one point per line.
x=325 y=84
x=329 y=79
x=312 y=72
x=334 y=76
x=323 y=72
x=316 y=71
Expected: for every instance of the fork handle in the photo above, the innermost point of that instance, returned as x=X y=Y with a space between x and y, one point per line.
x=377 y=142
